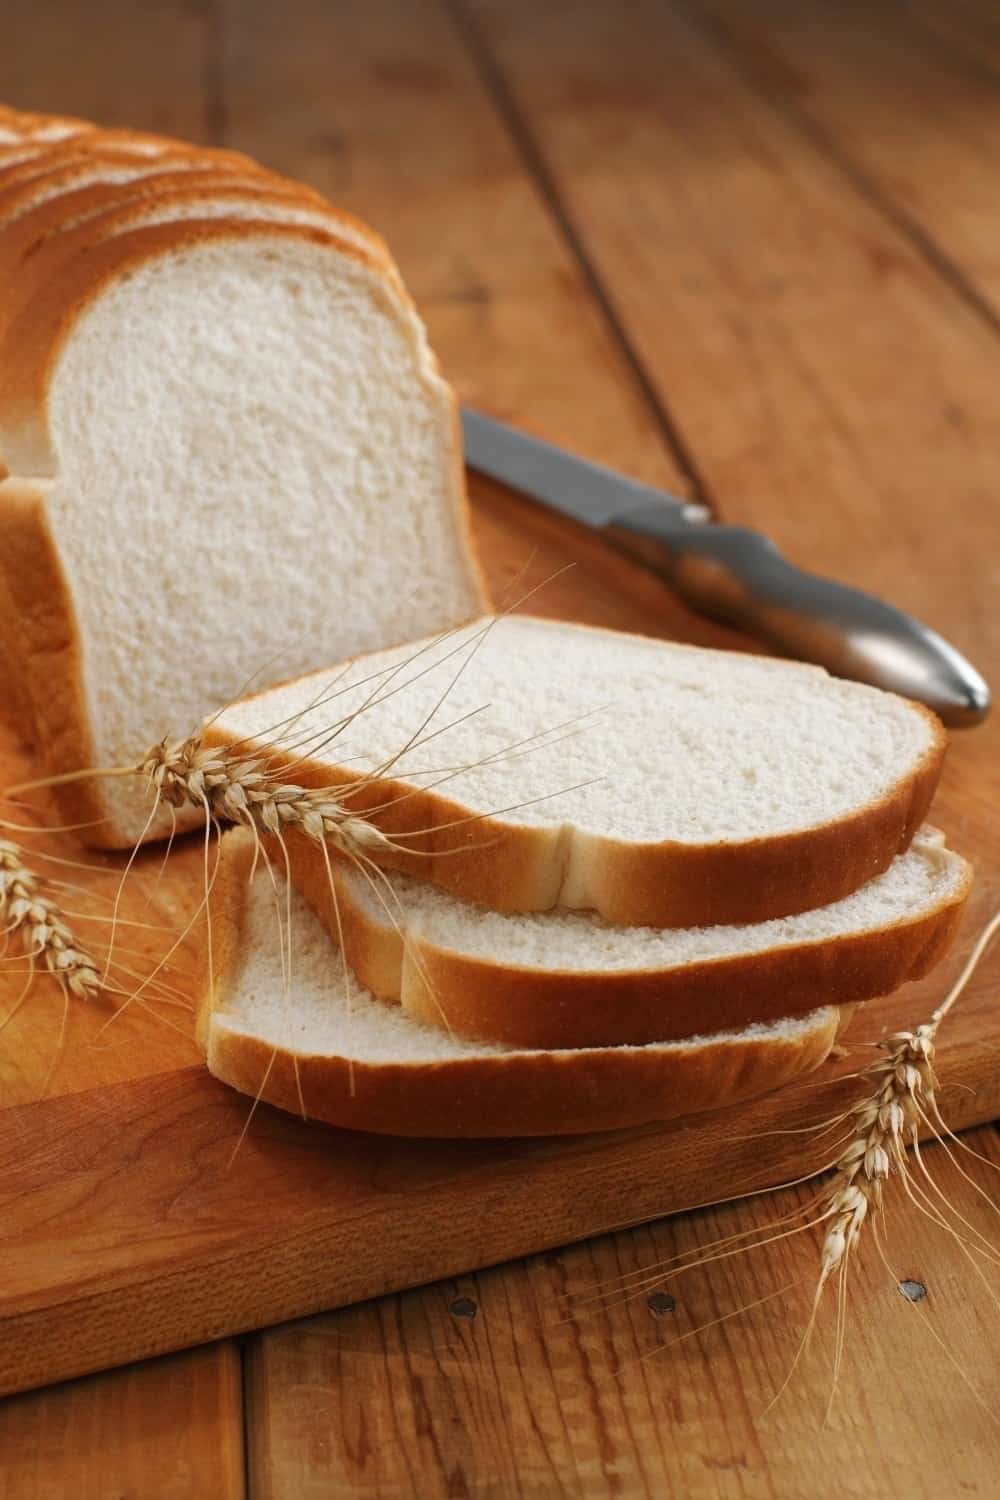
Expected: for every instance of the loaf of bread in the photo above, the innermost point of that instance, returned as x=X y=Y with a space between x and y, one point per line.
x=231 y=455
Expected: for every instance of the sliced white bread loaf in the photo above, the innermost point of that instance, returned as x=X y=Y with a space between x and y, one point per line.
x=570 y=979
x=214 y=428
x=312 y=1042
x=698 y=786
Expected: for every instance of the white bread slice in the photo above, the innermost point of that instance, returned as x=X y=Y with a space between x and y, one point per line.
x=698 y=787
x=354 y=1061
x=231 y=418
x=570 y=979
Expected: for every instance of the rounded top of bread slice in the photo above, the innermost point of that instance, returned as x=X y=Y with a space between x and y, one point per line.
x=318 y=1043
x=656 y=783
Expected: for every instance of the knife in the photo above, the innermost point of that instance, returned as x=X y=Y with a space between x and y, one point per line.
x=736 y=575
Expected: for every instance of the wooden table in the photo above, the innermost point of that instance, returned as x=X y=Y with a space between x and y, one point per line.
x=753 y=253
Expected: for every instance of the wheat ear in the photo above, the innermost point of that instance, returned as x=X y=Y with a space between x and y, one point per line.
x=241 y=789
x=886 y=1121
x=36 y=919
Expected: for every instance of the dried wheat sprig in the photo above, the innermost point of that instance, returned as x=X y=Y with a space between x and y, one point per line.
x=886 y=1122
x=242 y=789
x=37 y=920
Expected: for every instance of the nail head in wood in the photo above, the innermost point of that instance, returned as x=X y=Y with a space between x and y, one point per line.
x=660 y=1303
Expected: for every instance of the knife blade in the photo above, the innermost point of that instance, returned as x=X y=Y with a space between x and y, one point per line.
x=738 y=576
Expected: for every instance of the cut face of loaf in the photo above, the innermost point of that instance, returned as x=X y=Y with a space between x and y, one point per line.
x=347 y=1058
x=242 y=461
x=570 y=979
x=658 y=784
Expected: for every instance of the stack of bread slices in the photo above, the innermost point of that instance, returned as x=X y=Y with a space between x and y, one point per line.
x=609 y=879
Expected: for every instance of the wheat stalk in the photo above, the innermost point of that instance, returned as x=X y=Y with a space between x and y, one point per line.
x=241 y=789
x=886 y=1122
x=25 y=910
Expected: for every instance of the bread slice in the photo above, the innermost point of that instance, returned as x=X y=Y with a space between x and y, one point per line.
x=691 y=786
x=213 y=429
x=311 y=1042
x=570 y=979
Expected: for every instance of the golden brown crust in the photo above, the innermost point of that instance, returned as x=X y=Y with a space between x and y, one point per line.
x=528 y=1007
x=517 y=1094
x=513 y=1094
x=511 y=867
x=49 y=660
x=119 y=146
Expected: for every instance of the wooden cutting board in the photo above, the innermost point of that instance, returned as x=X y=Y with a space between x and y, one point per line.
x=127 y=1225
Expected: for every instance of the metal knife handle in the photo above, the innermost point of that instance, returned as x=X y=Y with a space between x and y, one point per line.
x=739 y=577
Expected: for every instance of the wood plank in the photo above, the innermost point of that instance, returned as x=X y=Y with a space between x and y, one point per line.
x=130 y=1229
x=970 y=27
x=915 y=122
x=172 y=1430
x=817 y=364
x=122 y=64
x=496 y=1384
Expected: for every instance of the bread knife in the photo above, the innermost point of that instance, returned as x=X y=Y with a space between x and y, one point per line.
x=737 y=576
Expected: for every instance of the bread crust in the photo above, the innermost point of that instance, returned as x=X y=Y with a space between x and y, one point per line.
x=532 y=1007
x=48 y=667
x=32 y=565
x=513 y=1094
x=511 y=867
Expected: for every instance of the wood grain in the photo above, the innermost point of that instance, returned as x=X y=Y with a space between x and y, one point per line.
x=914 y=124
x=140 y=66
x=170 y=1430
x=563 y=1375
x=820 y=367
